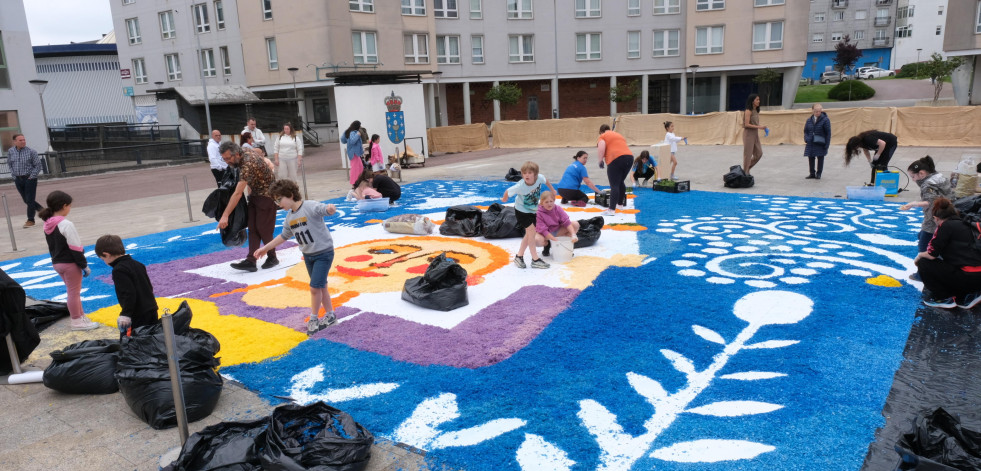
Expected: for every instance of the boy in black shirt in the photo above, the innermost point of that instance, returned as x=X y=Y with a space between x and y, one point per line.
x=133 y=288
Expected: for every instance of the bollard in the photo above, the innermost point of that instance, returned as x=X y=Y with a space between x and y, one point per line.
x=175 y=374
x=10 y=225
x=187 y=194
x=303 y=173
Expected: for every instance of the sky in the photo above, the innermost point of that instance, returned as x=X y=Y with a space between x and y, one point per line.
x=66 y=21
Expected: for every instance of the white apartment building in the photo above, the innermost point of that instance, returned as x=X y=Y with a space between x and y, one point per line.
x=920 y=29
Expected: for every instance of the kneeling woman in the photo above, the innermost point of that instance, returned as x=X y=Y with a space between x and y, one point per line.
x=951 y=266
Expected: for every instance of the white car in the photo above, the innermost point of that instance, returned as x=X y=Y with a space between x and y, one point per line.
x=873 y=72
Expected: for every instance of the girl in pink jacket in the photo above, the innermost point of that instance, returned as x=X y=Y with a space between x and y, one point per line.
x=552 y=221
x=377 y=161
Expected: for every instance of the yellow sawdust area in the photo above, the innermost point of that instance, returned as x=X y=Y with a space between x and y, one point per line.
x=583 y=270
x=884 y=280
x=239 y=336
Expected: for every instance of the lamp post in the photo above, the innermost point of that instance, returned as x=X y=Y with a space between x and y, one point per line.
x=293 y=71
x=918 y=61
x=39 y=85
x=694 y=68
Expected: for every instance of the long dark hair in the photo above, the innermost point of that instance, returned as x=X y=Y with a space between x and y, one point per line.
x=749 y=102
x=56 y=201
x=854 y=145
x=926 y=163
x=642 y=158
x=943 y=208
x=289 y=125
x=356 y=125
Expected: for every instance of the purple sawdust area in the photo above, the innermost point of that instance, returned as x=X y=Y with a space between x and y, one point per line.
x=490 y=336
x=941 y=369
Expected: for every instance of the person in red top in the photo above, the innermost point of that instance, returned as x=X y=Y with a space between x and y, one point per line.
x=612 y=148
x=951 y=266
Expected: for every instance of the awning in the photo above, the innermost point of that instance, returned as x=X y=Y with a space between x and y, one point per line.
x=221 y=95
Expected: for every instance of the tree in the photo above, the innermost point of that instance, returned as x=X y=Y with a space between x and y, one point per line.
x=765 y=80
x=939 y=69
x=507 y=93
x=623 y=93
x=846 y=55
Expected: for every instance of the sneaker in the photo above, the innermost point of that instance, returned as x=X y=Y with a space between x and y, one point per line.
x=915 y=277
x=313 y=325
x=28 y=224
x=968 y=301
x=270 y=262
x=539 y=264
x=83 y=323
x=245 y=265
x=328 y=320
x=941 y=303
x=548 y=247
x=519 y=261
x=609 y=212
x=579 y=203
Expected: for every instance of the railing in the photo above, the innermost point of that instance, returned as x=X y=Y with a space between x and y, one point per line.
x=883 y=2
x=839 y=3
x=880 y=42
x=71 y=162
x=310 y=135
x=882 y=20
x=116 y=133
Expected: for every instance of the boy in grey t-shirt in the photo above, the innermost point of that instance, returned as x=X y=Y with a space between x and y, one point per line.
x=305 y=221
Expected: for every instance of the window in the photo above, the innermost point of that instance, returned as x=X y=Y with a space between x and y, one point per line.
x=173 y=62
x=666 y=43
x=710 y=5
x=861 y=14
x=128 y=2
x=219 y=15
x=201 y=18
x=475 y=10
x=904 y=31
x=267 y=9
x=587 y=8
x=708 y=40
x=768 y=36
x=445 y=9
x=416 y=48
x=521 y=48
x=4 y=75
x=364 y=6
x=817 y=38
x=881 y=13
x=633 y=44
x=940 y=10
x=633 y=7
x=977 y=19
x=272 y=54
x=520 y=10
x=859 y=35
x=139 y=71
x=448 y=49
x=940 y=30
x=208 y=63
x=167 y=30
x=226 y=62
x=837 y=16
x=766 y=3
x=880 y=34
x=9 y=125
x=667 y=7
x=477 y=49
x=836 y=36
x=414 y=7
x=819 y=17
x=588 y=47
x=133 y=31
x=365 y=47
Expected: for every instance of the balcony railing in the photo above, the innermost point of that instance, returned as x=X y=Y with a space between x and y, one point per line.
x=882 y=20
x=839 y=3
x=880 y=42
x=883 y=2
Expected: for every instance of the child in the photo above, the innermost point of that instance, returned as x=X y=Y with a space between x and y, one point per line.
x=527 y=193
x=377 y=161
x=670 y=138
x=552 y=221
x=933 y=185
x=67 y=255
x=305 y=219
x=133 y=288
x=644 y=167
x=363 y=190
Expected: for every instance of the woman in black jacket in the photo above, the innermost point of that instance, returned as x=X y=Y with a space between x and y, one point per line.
x=817 y=136
x=951 y=266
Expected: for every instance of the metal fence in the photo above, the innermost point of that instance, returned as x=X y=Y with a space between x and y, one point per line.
x=73 y=162
x=116 y=133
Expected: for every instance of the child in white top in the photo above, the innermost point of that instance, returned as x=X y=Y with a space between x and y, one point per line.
x=670 y=138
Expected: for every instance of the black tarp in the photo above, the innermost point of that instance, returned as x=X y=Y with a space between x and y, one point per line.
x=14 y=321
x=44 y=313
x=214 y=206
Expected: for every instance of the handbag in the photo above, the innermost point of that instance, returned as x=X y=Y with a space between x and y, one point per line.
x=818 y=139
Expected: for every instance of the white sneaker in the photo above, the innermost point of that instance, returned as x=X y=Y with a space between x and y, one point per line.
x=609 y=212
x=83 y=323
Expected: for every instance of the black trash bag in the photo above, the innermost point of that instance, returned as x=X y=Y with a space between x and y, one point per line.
x=737 y=178
x=589 y=231
x=44 y=313
x=513 y=175
x=14 y=321
x=316 y=437
x=87 y=367
x=238 y=220
x=969 y=208
x=226 y=446
x=181 y=318
x=939 y=442
x=500 y=222
x=463 y=220
x=443 y=287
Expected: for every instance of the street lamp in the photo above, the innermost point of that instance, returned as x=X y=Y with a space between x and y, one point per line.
x=918 y=61
x=39 y=85
x=694 y=68
x=293 y=71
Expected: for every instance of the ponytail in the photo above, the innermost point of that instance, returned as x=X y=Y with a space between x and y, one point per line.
x=56 y=201
x=943 y=208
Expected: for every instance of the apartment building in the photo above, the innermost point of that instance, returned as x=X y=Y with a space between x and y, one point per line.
x=20 y=104
x=920 y=27
x=963 y=38
x=869 y=23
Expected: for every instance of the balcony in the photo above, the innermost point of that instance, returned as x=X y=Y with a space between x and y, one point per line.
x=882 y=20
x=839 y=3
x=880 y=42
x=883 y=2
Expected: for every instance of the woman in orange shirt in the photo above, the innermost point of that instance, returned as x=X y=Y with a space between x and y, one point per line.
x=612 y=149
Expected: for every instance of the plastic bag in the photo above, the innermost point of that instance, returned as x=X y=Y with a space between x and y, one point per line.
x=513 y=175
x=443 y=287
x=227 y=446
x=409 y=224
x=87 y=367
x=238 y=220
x=462 y=220
x=737 y=178
x=44 y=313
x=315 y=437
x=939 y=441
x=967 y=165
x=589 y=231
x=500 y=222
x=14 y=321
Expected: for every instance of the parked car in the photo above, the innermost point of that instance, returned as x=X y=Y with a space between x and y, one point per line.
x=873 y=72
x=833 y=76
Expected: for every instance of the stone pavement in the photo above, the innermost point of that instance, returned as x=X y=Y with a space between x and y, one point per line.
x=45 y=430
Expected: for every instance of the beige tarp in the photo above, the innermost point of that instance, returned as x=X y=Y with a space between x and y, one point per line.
x=939 y=126
x=704 y=129
x=463 y=138
x=572 y=132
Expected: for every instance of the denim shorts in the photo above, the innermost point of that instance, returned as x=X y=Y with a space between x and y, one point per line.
x=318 y=265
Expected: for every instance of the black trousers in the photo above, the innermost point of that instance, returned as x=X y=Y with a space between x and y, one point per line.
x=569 y=194
x=945 y=280
x=617 y=172
x=27 y=187
x=262 y=223
x=820 y=165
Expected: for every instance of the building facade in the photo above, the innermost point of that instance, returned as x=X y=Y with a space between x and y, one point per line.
x=871 y=24
x=20 y=104
x=963 y=38
x=920 y=27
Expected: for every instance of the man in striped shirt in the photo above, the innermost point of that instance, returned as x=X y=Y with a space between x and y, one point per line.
x=25 y=165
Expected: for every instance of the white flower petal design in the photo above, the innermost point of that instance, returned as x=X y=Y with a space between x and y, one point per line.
x=752 y=375
x=708 y=334
x=773 y=344
x=735 y=408
x=711 y=451
x=536 y=453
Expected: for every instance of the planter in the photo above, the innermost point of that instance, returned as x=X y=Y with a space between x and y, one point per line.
x=673 y=187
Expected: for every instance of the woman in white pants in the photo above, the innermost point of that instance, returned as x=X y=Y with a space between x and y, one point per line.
x=288 y=153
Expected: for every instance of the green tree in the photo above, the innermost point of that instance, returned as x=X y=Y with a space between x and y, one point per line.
x=507 y=93
x=625 y=92
x=939 y=69
x=846 y=55
x=765 y=80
